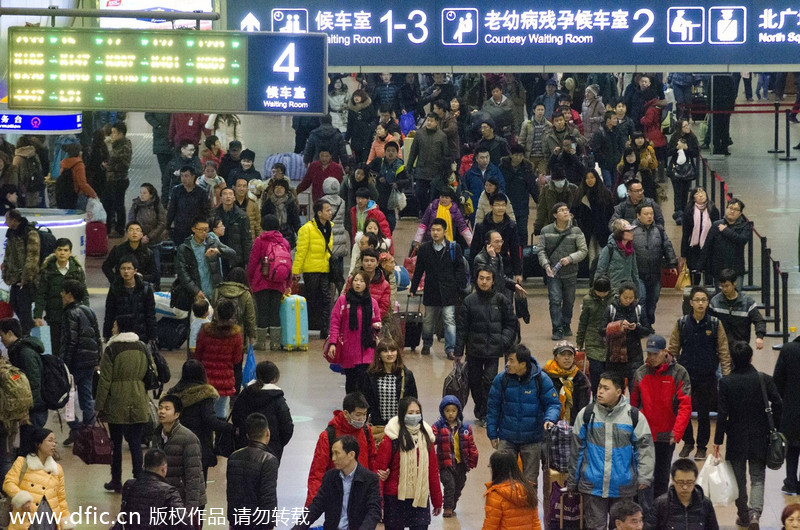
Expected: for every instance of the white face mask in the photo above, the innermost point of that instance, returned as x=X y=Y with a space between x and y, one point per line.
x=357 y=424
x=412 y=420
x=559 y=183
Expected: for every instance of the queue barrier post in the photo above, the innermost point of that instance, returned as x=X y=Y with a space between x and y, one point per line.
x=722 y=195
x=788 y=157
x=705 y=175
x=777 y=120
x=776 y=295
x=766 y=255
x=785 y=302
x=750 y=272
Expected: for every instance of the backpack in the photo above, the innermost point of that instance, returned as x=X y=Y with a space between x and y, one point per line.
x=466 y=285
x=714 y=327
x=47 y=242
x=276 y=266
x=588 y=414
x=31 y=175
x=55 y=382
x=15 y=393
x=66 y=196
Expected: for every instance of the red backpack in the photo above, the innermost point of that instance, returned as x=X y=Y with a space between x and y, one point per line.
x=276 y=266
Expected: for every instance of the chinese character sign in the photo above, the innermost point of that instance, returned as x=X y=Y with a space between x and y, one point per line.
x=383 y=33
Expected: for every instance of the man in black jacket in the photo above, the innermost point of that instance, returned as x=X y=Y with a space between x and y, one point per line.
x=80 y=349
x=252 y=478
x=486 y=329
x=511 y=251
x=132 y=246
x=145 y=497
x=684 y=506
x=361 y=508
x=186 y=202
x=747 y=425
x=130 y=295
x=237 y=229
x=728 y=238
x=442 y=263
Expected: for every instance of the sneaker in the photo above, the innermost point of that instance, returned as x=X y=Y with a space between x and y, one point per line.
x=450 y=355
x=741 y=523
x=700 y=454
x=116 y=487
x=793 y=118
x=788 y=490
x=686 y=451
x=566 y=331
x=448 y=512
x=704 y=146
x=557 y=335
x=426 y=350
x=73 y=434
x=480 y=422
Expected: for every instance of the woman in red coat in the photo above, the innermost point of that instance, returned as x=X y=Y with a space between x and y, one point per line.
x=651 y=124
x=407 y=464
x=219 y=347
x=355 y=318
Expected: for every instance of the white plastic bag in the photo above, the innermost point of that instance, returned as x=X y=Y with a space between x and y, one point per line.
x=397 y=200
x=718 y=481
x=95 y=211
x=69 y=408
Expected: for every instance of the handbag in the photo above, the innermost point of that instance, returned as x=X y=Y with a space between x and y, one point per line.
x=337 y=357
x=684 y=278
x=776 y=452
x=93 y=445
x=225 y=441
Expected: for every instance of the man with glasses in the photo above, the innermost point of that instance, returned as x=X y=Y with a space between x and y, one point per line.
x=728 y=237
x=684 y=506
x=563 y=246
x=186 y=202
x=627 y=209
x=700 y=345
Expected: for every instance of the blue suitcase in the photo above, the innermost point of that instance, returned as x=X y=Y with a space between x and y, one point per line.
x=294 y=323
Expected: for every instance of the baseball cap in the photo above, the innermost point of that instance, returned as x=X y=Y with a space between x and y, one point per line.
x=656 y=343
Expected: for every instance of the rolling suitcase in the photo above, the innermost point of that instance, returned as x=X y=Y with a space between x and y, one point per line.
x=411 y=324
x=96 y=239
x=562 y=510
x=168 y=253
x=530 y=261
x=294 y=323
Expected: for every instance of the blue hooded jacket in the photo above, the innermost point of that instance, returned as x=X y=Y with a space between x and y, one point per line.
x=518 y=407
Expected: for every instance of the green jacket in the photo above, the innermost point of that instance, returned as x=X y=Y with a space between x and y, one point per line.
x=588 y=337
x=21 y=262
x=26 y=354
x=245 y=307
x=48 y=290
x=121 y=396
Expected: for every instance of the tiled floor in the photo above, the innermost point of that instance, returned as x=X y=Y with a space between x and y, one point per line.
x=313 y=391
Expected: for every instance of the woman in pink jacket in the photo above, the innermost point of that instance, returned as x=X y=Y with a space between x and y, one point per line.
x=269 y=288
x=355 y=318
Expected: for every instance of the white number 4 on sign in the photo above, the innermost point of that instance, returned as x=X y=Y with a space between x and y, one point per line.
x=286 y=63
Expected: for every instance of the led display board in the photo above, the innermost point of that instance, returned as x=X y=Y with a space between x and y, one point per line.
x=166 y=70
x=506 y=33
x=156 y=6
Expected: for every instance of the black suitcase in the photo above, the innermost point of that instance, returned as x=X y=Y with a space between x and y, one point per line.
x=172 y=332
x=530 y=261
x=411 y=324
x=168 y=253
x=412 y=206
x=699 y=107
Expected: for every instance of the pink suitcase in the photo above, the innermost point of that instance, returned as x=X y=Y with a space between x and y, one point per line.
x=96 y=239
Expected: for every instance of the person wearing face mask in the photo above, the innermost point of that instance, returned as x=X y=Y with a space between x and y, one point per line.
x=185 y=155
x=556 y=191
x=351 y=420
x=409 y=469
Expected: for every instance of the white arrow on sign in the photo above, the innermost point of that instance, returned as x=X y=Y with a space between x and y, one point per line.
x=250 y=23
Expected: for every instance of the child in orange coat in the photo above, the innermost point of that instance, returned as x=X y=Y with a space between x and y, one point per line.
x=510 y=500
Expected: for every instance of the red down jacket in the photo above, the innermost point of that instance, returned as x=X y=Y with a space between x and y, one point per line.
x=219 y=348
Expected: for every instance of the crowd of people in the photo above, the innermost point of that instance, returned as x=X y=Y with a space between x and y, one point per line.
x=465 y=158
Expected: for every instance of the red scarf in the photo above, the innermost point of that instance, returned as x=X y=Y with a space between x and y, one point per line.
x=627 y=248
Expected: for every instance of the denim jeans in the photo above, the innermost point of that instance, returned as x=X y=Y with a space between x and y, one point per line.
x=683 y=98
x=561 y=292
x=221 y=406
x=757 y=474
x=83 y=384
x=650 y=292
x=429 y=320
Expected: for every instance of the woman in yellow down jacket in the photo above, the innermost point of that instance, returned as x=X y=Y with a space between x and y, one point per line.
x=35 y=478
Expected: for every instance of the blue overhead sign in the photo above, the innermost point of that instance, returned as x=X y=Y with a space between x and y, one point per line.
x=39 y=123
x=385 y=33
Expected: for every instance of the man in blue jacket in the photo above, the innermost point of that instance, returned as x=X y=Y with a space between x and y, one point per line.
x=518 y=400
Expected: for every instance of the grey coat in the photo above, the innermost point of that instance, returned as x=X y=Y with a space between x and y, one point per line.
x=573 y=246
x=184 y=464
x=651 y=244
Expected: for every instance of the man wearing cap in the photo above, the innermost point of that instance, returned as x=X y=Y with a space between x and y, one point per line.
x=627 y=209
x=700 y=343
x=364 y=209
x=563 y=246
x=496 y=145
x=661 y=390
x=230 y=160
x=429 y=158
x=549 y=99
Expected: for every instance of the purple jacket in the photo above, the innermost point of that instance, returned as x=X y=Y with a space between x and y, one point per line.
x=340 y=321
x=460 y=225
